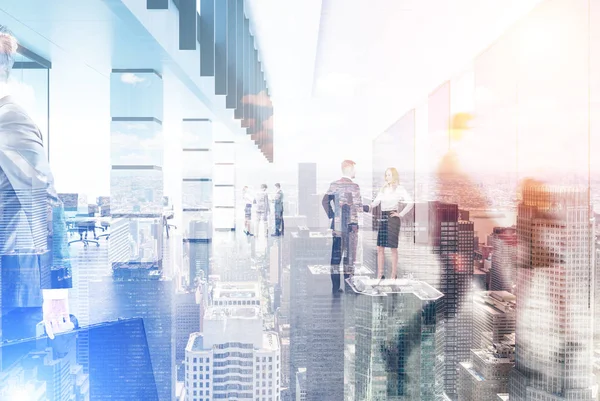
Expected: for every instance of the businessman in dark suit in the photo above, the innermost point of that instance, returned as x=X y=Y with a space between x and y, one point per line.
x=35 y=268
x=343 y=203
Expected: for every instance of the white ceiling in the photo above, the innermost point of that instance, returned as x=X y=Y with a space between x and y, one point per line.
x=341 y=71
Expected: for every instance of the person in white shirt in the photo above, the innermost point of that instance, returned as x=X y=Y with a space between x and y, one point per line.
x=263 y=209
x=390 y=197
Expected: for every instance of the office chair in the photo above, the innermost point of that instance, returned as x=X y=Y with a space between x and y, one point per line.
x=82 y=228
x=93 y=210
x=166 y=223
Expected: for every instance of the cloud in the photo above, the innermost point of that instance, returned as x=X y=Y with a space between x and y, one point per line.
x=261 y=99
x=123 y=140
x=132 y=79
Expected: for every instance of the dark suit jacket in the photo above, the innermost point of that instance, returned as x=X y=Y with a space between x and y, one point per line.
x=342 y=203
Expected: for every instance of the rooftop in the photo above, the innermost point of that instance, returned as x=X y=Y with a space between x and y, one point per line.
x=229 y=312
x=496 y=302
x=270 y=341
x=375 y=287
x=195 y=342
x=230 y=290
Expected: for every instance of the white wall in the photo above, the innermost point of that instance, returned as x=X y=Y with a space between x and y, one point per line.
x=79 y=127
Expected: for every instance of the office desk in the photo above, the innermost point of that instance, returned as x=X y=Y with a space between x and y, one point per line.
x=87 y=223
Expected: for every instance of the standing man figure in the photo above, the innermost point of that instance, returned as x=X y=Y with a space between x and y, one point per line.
x=342 y=203
x=278 y=208
x=36 y=272
x=263 y=209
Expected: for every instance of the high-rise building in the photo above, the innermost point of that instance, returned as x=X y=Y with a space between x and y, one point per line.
x=324 y=319
x=504 y=259
x=138 y=291
x=494 y=314
x=187 y=321
x=486 y=374
x=306 y=248
x=307 y=188
x=234 y=358
x=554 y=326
x=441 y=254
x=399 y=336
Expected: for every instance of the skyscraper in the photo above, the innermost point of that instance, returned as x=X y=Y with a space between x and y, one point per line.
x=442 y=256
x=142 y=291
x=187 y=321
x=324 y=319
x=554 y=324
x=306 y=248
x=399 y=335
x=504 y=259
x=307 y=188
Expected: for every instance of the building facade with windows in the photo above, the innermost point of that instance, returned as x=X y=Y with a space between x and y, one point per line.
x=234 y=358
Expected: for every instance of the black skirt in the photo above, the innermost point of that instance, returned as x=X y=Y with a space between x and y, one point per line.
x=248 y=211
x=389 y=229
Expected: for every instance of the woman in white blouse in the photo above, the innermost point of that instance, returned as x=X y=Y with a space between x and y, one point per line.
x=390 y=197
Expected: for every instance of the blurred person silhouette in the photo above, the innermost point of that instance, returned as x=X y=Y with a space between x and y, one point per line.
x=248 y=199
x=263 y=209
x=391 y=197
x=343 y=203
x=278 y=209
x=30 y=227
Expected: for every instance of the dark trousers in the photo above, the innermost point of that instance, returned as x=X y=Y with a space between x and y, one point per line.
x=343 y=249
x=279 y=225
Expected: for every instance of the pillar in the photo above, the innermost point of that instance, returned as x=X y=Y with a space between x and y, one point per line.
x=197 y=197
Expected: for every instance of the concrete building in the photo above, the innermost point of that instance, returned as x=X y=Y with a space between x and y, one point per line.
x=486 y=374
x=494 y=315
x=234 y=358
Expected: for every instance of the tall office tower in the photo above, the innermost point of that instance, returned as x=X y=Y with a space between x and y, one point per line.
x=307 y=188
x=486 y=374
x=306 y=248
x=139 y=290
x=554 y=329
x=301 y=385
x=494 y=315
x=187 y=321
x=197 y=197
x=284 y=307
x=399 y=336
x=234 y=358
x=88 y=265
x=283 y=329
x=441 y=255
x=275 y=265
x=504 y=259
x=325 y=337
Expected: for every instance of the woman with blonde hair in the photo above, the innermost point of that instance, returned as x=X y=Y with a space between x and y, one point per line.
x=390 y=197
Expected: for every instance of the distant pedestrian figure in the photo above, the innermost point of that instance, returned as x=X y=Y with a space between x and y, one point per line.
x=278 y=209
x=262 y=208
